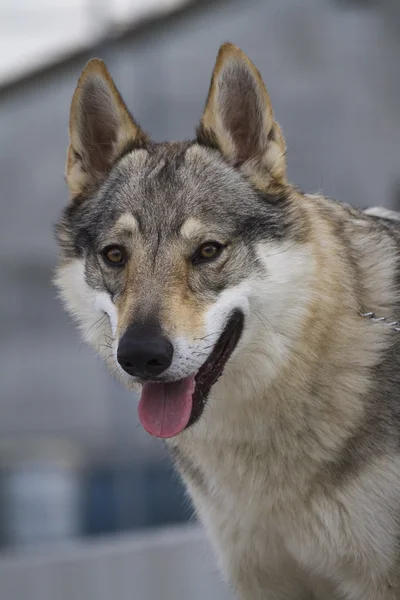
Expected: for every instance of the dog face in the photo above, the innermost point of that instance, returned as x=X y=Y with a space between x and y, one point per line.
x=163 y=246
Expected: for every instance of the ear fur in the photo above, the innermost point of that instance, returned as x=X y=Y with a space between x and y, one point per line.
x=238 y=119
x=100 y=129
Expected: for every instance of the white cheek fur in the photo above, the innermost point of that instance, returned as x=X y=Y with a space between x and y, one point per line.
x=85 y=304
x=233 y=298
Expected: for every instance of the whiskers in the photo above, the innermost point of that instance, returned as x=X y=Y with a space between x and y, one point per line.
x=96 y=323
x=204 y=337
x=100 y=322
x=268 y=328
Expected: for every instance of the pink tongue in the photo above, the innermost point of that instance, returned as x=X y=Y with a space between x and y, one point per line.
x=165 y=408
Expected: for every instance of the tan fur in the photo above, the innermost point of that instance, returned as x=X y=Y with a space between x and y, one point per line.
x=184 y=314
x=194 y=229
x=127 y=223
x=182 y=311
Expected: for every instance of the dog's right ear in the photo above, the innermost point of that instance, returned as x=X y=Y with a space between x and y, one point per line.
x=101 y=129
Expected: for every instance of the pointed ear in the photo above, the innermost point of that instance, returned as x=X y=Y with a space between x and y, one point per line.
x=100 y=129
x=238 y=119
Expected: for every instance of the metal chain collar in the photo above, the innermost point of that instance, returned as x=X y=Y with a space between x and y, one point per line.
x=394 y=325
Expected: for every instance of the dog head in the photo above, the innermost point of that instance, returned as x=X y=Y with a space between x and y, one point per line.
x=173 y=255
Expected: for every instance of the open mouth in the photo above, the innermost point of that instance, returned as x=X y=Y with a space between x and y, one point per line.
x=166 y=409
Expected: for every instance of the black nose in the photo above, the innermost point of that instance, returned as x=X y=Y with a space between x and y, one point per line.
x=144 y=352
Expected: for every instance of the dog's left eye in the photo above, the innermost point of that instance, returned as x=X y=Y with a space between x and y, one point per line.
x=207 y=252
x=114 y=256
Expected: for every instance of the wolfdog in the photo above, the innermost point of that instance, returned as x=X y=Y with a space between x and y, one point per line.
x=260 y=326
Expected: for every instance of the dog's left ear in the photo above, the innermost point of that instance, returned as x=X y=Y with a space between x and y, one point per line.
x=238 y=119
x=101 y=129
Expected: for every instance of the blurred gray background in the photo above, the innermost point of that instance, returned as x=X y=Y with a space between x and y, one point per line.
x=74 y=462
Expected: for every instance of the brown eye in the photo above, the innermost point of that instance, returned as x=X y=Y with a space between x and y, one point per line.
x=114 y=256
x=207 y=252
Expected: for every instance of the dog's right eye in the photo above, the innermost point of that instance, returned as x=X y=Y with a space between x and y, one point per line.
x=114 y=256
